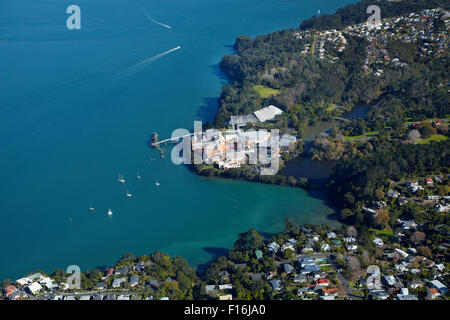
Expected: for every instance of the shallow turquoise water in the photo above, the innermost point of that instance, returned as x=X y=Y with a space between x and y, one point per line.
x=71 y=121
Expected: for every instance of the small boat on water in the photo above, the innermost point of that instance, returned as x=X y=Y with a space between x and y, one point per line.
x=128 y=194
x=121 y=179
x=91 y=208
x=109 y=212
x=157 y=184
x=138 y=176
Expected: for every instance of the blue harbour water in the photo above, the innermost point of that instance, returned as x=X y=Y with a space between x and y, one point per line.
x=77 y=107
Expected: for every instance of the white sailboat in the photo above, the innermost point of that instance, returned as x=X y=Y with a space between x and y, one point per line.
x=91 y=207
x=138 y=176
x=121 y=179
x=109 y=212
x=129 y=194
x=157 y=184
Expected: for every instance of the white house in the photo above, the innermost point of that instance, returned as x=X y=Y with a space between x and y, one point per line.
x=378 y=242
x=331 y=235
x=350 y=239
x=34 y=288
x=273 y=246
x=401 y=252
x=228 y=286
x=439 y=286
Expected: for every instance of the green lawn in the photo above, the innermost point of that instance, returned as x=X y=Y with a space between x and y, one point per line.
x=367 y=134
x=333 y=107
x=382 y=232
x=265 y=92
x=409 y=120
x=436 y=137
x=327 y=269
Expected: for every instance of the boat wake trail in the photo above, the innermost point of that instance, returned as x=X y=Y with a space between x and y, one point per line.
x=153 y=20
x=138 y=66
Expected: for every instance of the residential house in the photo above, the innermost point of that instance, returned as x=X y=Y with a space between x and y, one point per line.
x=379 y=295
x=154 y=283
x=118 y=282
x=401 y=252
x=8 y=290
x=288 y=268
x=210 y=288
x=140 y=267
x=414 y=284
x=256 y=277
x=276 y=284
x=441 y=288
x=287 y=245
x=273 y=247
x=389 y=280
x=299 y=278
x=331 y=235
x=134 y=281
x=34 y=288
x=109 y=272
x=432 y=293
x=100 y=285
x=378 y=242
x=227 y=286
x=350 y=240
x=392 y=193
x=17 y=295
x=122 y=271
x=224 y=275
x=406 y=297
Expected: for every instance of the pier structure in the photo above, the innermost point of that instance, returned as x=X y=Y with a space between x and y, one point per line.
x=156 y=144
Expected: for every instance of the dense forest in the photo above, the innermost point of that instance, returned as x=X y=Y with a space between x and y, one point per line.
x=356 y=179
x=306 y=80
x=307 y=86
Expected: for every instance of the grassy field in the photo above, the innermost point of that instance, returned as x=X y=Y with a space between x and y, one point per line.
x=367 y=134
x=408 y=120
x=265 y=92
x=382 y=232
x=333 y=107
x=436 y=137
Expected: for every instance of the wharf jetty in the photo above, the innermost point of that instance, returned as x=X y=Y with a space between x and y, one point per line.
x=155 y=144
